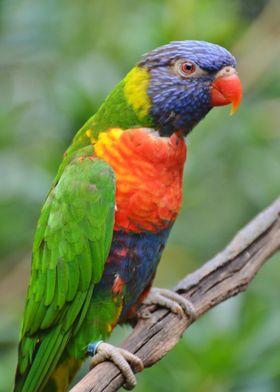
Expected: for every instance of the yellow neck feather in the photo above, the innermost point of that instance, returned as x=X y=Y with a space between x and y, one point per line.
x=135 y=90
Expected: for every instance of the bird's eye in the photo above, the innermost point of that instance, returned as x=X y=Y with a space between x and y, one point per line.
x=186 y=68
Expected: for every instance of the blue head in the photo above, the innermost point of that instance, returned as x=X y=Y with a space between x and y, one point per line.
x=182 y=76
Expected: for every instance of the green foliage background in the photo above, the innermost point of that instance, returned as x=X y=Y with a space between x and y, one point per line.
x=58 y=61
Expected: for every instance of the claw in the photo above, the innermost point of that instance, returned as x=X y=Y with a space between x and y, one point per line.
x=172 y=301
x=123 y=359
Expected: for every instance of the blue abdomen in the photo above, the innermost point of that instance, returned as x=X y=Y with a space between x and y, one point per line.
x=133 y=258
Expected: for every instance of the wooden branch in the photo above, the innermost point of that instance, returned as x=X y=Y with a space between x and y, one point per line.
x=225 y=275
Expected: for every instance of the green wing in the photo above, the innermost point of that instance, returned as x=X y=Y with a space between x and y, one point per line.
x=71 y=245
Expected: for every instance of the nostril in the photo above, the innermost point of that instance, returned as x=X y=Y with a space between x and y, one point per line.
x=226 y=71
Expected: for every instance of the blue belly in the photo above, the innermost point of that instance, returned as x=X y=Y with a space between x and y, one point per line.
x=134 y=257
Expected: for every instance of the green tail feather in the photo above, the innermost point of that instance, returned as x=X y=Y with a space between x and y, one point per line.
x=44 y=363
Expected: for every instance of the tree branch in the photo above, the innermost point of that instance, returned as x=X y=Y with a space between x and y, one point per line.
x=227 y=274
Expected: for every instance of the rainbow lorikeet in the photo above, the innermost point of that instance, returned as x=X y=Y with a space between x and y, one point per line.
x=110 y=209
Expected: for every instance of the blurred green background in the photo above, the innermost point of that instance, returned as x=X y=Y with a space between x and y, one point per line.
x=58 y=61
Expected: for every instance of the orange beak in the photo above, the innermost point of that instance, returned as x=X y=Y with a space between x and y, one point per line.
x=226 y=90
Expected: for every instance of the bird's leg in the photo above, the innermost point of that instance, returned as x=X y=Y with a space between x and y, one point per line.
x=171 y=300
x=127 y=362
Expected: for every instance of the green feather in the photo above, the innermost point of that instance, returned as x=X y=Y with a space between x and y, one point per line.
x=74 y=278
x=73 y=310
x=84 y=310
x=62 y=282
x=65 y=267
x=50 y=289
x=37 y=320
x=85 y=267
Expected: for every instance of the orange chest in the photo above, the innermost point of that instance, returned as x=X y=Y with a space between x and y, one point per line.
x=149 y=173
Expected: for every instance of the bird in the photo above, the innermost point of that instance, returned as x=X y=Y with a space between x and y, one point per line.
x=109 y=212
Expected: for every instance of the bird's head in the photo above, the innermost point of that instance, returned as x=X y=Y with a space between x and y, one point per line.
x=177 y=84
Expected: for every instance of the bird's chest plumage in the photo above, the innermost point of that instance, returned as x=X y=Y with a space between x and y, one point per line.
x=149 y=172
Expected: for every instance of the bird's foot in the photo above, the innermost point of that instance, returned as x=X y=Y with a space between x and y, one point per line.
x=170 y=300
x=127 y=362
